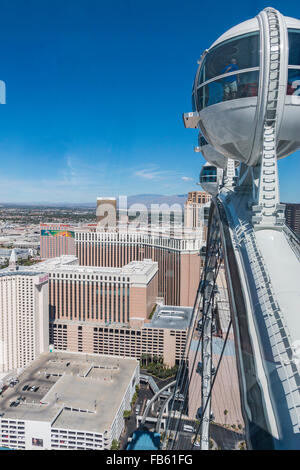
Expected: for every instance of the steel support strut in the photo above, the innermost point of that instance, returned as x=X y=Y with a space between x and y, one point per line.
x=211 y=271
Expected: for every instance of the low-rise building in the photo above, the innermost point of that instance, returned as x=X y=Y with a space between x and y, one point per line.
x=163 y=336
x=77 y=404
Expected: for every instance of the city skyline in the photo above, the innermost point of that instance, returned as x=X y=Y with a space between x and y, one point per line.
x=159 y=317
x=95 y=94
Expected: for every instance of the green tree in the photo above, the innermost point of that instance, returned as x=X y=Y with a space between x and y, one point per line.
x=114 y=445
x=134 y=399
x=126 y=414
x=242 y=445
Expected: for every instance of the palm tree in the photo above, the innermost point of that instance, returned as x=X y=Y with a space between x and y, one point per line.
x=143 y=359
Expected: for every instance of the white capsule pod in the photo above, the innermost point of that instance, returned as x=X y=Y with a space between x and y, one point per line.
x=211 y=178
x=210 y=154
x=250 y=72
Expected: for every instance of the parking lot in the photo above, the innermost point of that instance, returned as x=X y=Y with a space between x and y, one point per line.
x=17 y=395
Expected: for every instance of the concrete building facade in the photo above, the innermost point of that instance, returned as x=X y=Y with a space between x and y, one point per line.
x=195 y=210
x=163 y=336
x=292 y=215
x=24 y=320
x=56 y=240
x=103 y=295
x=177 y=255
x=106 y=212
x=81 y=401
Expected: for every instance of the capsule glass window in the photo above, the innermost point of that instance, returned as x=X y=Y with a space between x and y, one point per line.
x=242 y=51
x=208 y=174
x=294 y=46
x=293 y=84
x=234 y=86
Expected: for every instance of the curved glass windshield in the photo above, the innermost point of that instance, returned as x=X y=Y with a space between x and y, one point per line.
x=294 y=46
x=230 y=87
x=208 y=174
x=239 y=53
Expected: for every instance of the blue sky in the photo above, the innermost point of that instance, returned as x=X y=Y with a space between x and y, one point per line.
x=95 y=93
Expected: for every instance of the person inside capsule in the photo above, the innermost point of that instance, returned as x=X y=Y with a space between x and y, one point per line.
x=230 y=82
x=229 y=71
x=293 y=84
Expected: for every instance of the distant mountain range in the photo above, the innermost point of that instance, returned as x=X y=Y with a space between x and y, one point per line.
x=146 y=199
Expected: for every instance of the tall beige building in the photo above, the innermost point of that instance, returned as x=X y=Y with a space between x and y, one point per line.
x=103 y=295
x=194 y=209
x=106 y=212
x=24 y=319
x=177 y=255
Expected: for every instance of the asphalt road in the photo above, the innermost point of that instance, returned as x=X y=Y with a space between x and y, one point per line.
x=225 y=439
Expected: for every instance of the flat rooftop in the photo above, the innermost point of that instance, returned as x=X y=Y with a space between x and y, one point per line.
x=44 y=266
x=6 y=273
x=140 y=272
x=76 y=391
x=167 y=231
x=52 y=263
x=167 y=316
x=134 y=267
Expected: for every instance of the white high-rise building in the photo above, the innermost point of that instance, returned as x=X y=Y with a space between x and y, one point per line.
x=24 y=318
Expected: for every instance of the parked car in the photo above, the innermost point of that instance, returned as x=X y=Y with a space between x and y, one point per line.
x=200 y=326
x=188 y=428
x=199 y=369
x=199 y=414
